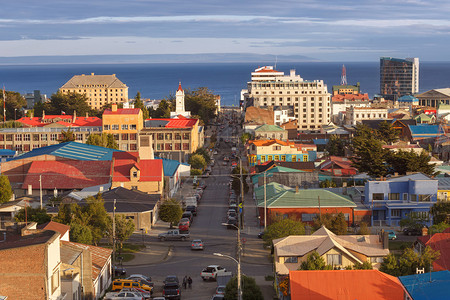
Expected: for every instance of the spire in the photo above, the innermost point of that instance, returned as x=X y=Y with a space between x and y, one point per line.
x=344 y=76
x=179 y=87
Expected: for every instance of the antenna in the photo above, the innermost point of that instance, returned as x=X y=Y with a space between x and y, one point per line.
x=344 y=76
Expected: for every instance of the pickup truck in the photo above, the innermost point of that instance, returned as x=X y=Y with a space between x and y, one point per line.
x=210 y=272
x=173 y=234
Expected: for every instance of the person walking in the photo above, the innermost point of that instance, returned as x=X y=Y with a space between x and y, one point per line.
x=184 y=282
x=189 y=282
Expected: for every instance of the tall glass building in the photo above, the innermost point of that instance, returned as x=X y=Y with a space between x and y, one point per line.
x=398 y=77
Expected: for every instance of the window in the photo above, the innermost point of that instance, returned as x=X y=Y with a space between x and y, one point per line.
x=177 y=146
x=133 y=146
x=160 y=136
x=378 y=196
x=283 y=157
x=275 y=148
x=177 y=136
x=414 y=197
x=135 y=174
x=277 y=157
x=79 y=136
x=18 y=137
x=269 y=158
x=167 y=146
x=308 y=217
x=394 y=196
x=55 y=281
x=294 y=157
x=305 y=157
x=35 y=137
x=26 y=137
x=405 y=196
x=133 y=127
x=124 y=136
x=106 y=127
x=124 y=126
x=334 y=259
x=115 y=127
x=133 y=136
x=424 y=198
x=43 y=137
x=186 y=136
x=375 y=259
x=263 y=158
x=159 y=146
x=185 y=146
x=395 y=213
x=53 y=137
x=291 y=259
x=168 y=136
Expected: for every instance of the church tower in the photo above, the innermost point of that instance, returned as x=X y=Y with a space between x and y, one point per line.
x=179 y=102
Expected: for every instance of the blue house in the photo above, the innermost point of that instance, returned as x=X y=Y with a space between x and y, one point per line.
x=396 y=198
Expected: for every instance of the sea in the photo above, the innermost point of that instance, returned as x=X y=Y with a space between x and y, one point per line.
x=158 y=81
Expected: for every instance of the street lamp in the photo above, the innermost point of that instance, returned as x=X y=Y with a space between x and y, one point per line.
x=238 y=261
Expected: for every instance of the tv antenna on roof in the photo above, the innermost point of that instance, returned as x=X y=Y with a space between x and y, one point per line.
x=344 y=76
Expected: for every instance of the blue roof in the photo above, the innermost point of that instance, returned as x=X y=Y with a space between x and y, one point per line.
x=320 y=141
x=170 y=166
x=72 y=150
x=7 y=152
x=407 y=98
x=420 y=287
x=426 y=130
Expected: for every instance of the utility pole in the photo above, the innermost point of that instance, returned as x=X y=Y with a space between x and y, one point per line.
x=320 y=212
x=265 y=202
x=40 y=188
x=241 y=224
x=114 y=233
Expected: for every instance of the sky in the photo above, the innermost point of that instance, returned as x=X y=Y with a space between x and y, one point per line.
x=324 y=30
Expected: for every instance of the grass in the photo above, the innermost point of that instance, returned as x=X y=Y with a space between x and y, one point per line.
x=127 y=250
x=398 y=245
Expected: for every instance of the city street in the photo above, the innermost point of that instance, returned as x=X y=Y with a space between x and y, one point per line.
x=182 y=261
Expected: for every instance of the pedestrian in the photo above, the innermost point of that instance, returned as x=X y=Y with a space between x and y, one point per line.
x=190 y=282
x=184 y=281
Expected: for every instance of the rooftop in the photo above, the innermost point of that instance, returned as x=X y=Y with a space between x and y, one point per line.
x=427 y=286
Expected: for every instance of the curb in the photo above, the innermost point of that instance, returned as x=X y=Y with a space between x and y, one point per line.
x=166 y=256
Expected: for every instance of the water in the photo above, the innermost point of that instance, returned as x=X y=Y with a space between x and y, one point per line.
x=157 y=81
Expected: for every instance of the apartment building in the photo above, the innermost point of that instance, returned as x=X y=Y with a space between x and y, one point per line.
x=398 y=77
x=354 y=115
x=310 y=99
x=99 y=89
x=124 y=124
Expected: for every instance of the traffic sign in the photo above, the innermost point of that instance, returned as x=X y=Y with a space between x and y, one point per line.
x=240 y=205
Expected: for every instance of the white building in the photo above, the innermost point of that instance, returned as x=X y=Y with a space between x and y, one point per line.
x=310 y=99
x=354 y=115
x=282 y=114
x=179 y=104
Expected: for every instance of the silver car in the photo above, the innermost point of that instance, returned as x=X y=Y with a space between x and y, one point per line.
x=197 y=245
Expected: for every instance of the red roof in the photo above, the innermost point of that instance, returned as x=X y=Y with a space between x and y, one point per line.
x=151 y=169
x=179 y=87
x=122 y=111
x=67 y=174
x=266 y=70
x=178 y=123
x=342 y=162
x=65 y=120
x=55 y=226
x=344 y=284
x=350 y=97
x=440 y=242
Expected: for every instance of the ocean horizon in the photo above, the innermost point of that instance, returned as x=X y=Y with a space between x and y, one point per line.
x=160 y=80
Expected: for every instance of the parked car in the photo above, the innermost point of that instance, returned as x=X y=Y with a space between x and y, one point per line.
x=412 y=231
x=172 y=290
x=183 y=226
x=171 y=278
x=140 y=276
x=123 y=296
x=391 y=234
x=218 y=297
x=232 y=223
x=261 y=235
x=220 y=290
x=173 y=234
x=189 y=215
x=145 y=294
x=210 y=272
x=119 y=284
x=197 y=245
x=119 y=271
x=192 y=209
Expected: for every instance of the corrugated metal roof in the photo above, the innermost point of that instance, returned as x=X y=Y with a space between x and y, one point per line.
x=427 y=286
x=265 y=127
x=424 y=129
x=122 y=111
x=170 y=166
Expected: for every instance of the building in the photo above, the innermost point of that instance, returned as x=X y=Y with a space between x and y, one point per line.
x=341 y=102
x=346 y=284
x=355 y=115
x=173 y=171
x=260 y=151
x=100 y=90
x=174 y=138
x=434 y=97
x=398 y=77
x=310 y=99
x=33 y=98
x=408 y=100
x=424 y=133
x=124 y=124
x=271 y=132
x=256 y=116
x=397 y=198
x=283 y=114
x=300 y=204
x=346 y=89
x=433 y=285
x=179 y=104
x=438 y=242
x=405 y=147
x=338 y=166
x=339 y=251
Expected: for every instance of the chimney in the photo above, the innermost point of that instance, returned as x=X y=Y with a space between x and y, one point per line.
x=384 y=239
x=100 y=189
x=43 y=114
x=87 y=115
x=74 y=116
x=292 y=72
x=296 y=189
x=424 y=231
x=114 y=107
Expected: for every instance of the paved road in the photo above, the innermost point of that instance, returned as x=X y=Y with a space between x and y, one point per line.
x=217 y=238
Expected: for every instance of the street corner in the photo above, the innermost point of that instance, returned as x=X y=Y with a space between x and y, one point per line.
x=151 y=254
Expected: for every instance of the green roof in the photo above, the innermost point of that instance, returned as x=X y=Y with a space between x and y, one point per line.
x=272 y=189
x=277 y=169
x=307 y=198
x=266 y=127
x=423 y=117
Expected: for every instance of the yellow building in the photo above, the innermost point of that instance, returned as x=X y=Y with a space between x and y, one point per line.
x=99 y=89
x=124 y=124
x=261 y=151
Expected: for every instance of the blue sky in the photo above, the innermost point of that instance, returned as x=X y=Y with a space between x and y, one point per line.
x=326 y=30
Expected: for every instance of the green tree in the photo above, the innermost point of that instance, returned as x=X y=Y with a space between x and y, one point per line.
x=163 y=110
x=437 y=228
x=283 y=228
x=139 y=104
x=250 y=290
x=80 y=234
x=427 y=258
x=245 y=137
x=390 y=265
x=124 y=229
x=407 y=263
x=104 y=140
x=196 y=172
x=98 y=217
x=202 y=103
x=364 y=266
x=66 y=213
x=314 y=262
x=441 y=212
x=402 y=162
x=37 y=215
x=413 y=221
x=363 y=229
x=336 y=146
x=203 y=152
x=67 y=136
x=336 y=223
x=13 y=105
x=170 y=211
x=387 y=133
x=68 y=103
x=11 y=124
x=197 y=161
x=5 y=189
x=327 y=183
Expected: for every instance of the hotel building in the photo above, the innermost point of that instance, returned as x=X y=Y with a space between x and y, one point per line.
x=310 y=99
x=398 y=77
x=99 y=89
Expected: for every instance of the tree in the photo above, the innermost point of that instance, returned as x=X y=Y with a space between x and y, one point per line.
x=402 y=162
x=283 y=228
x=66 y=213
x=163 y=110
x=363 y=229
x=37 y=215
x=333 y=222
x=13 y=105
x=336 y=146
x=364 y=266
x=202 y=103
x=5 y=189
x=67 y=103
x=390 y=265
x=327 y=183
x=387 y=133
x=104 y=140
x=196 y=172
x=437 y=228
x=98 y=217
x=413 y=221
x=314 y=262
x=170 y=211
x=245 y=137
x=80 y=234
x=197 y=161
x=203 y=152
x=250 y=290
x=440 y=211
x=408 y=262
x=67 y=136
x=139 y=104
x=124 y=229
x=236 y=183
